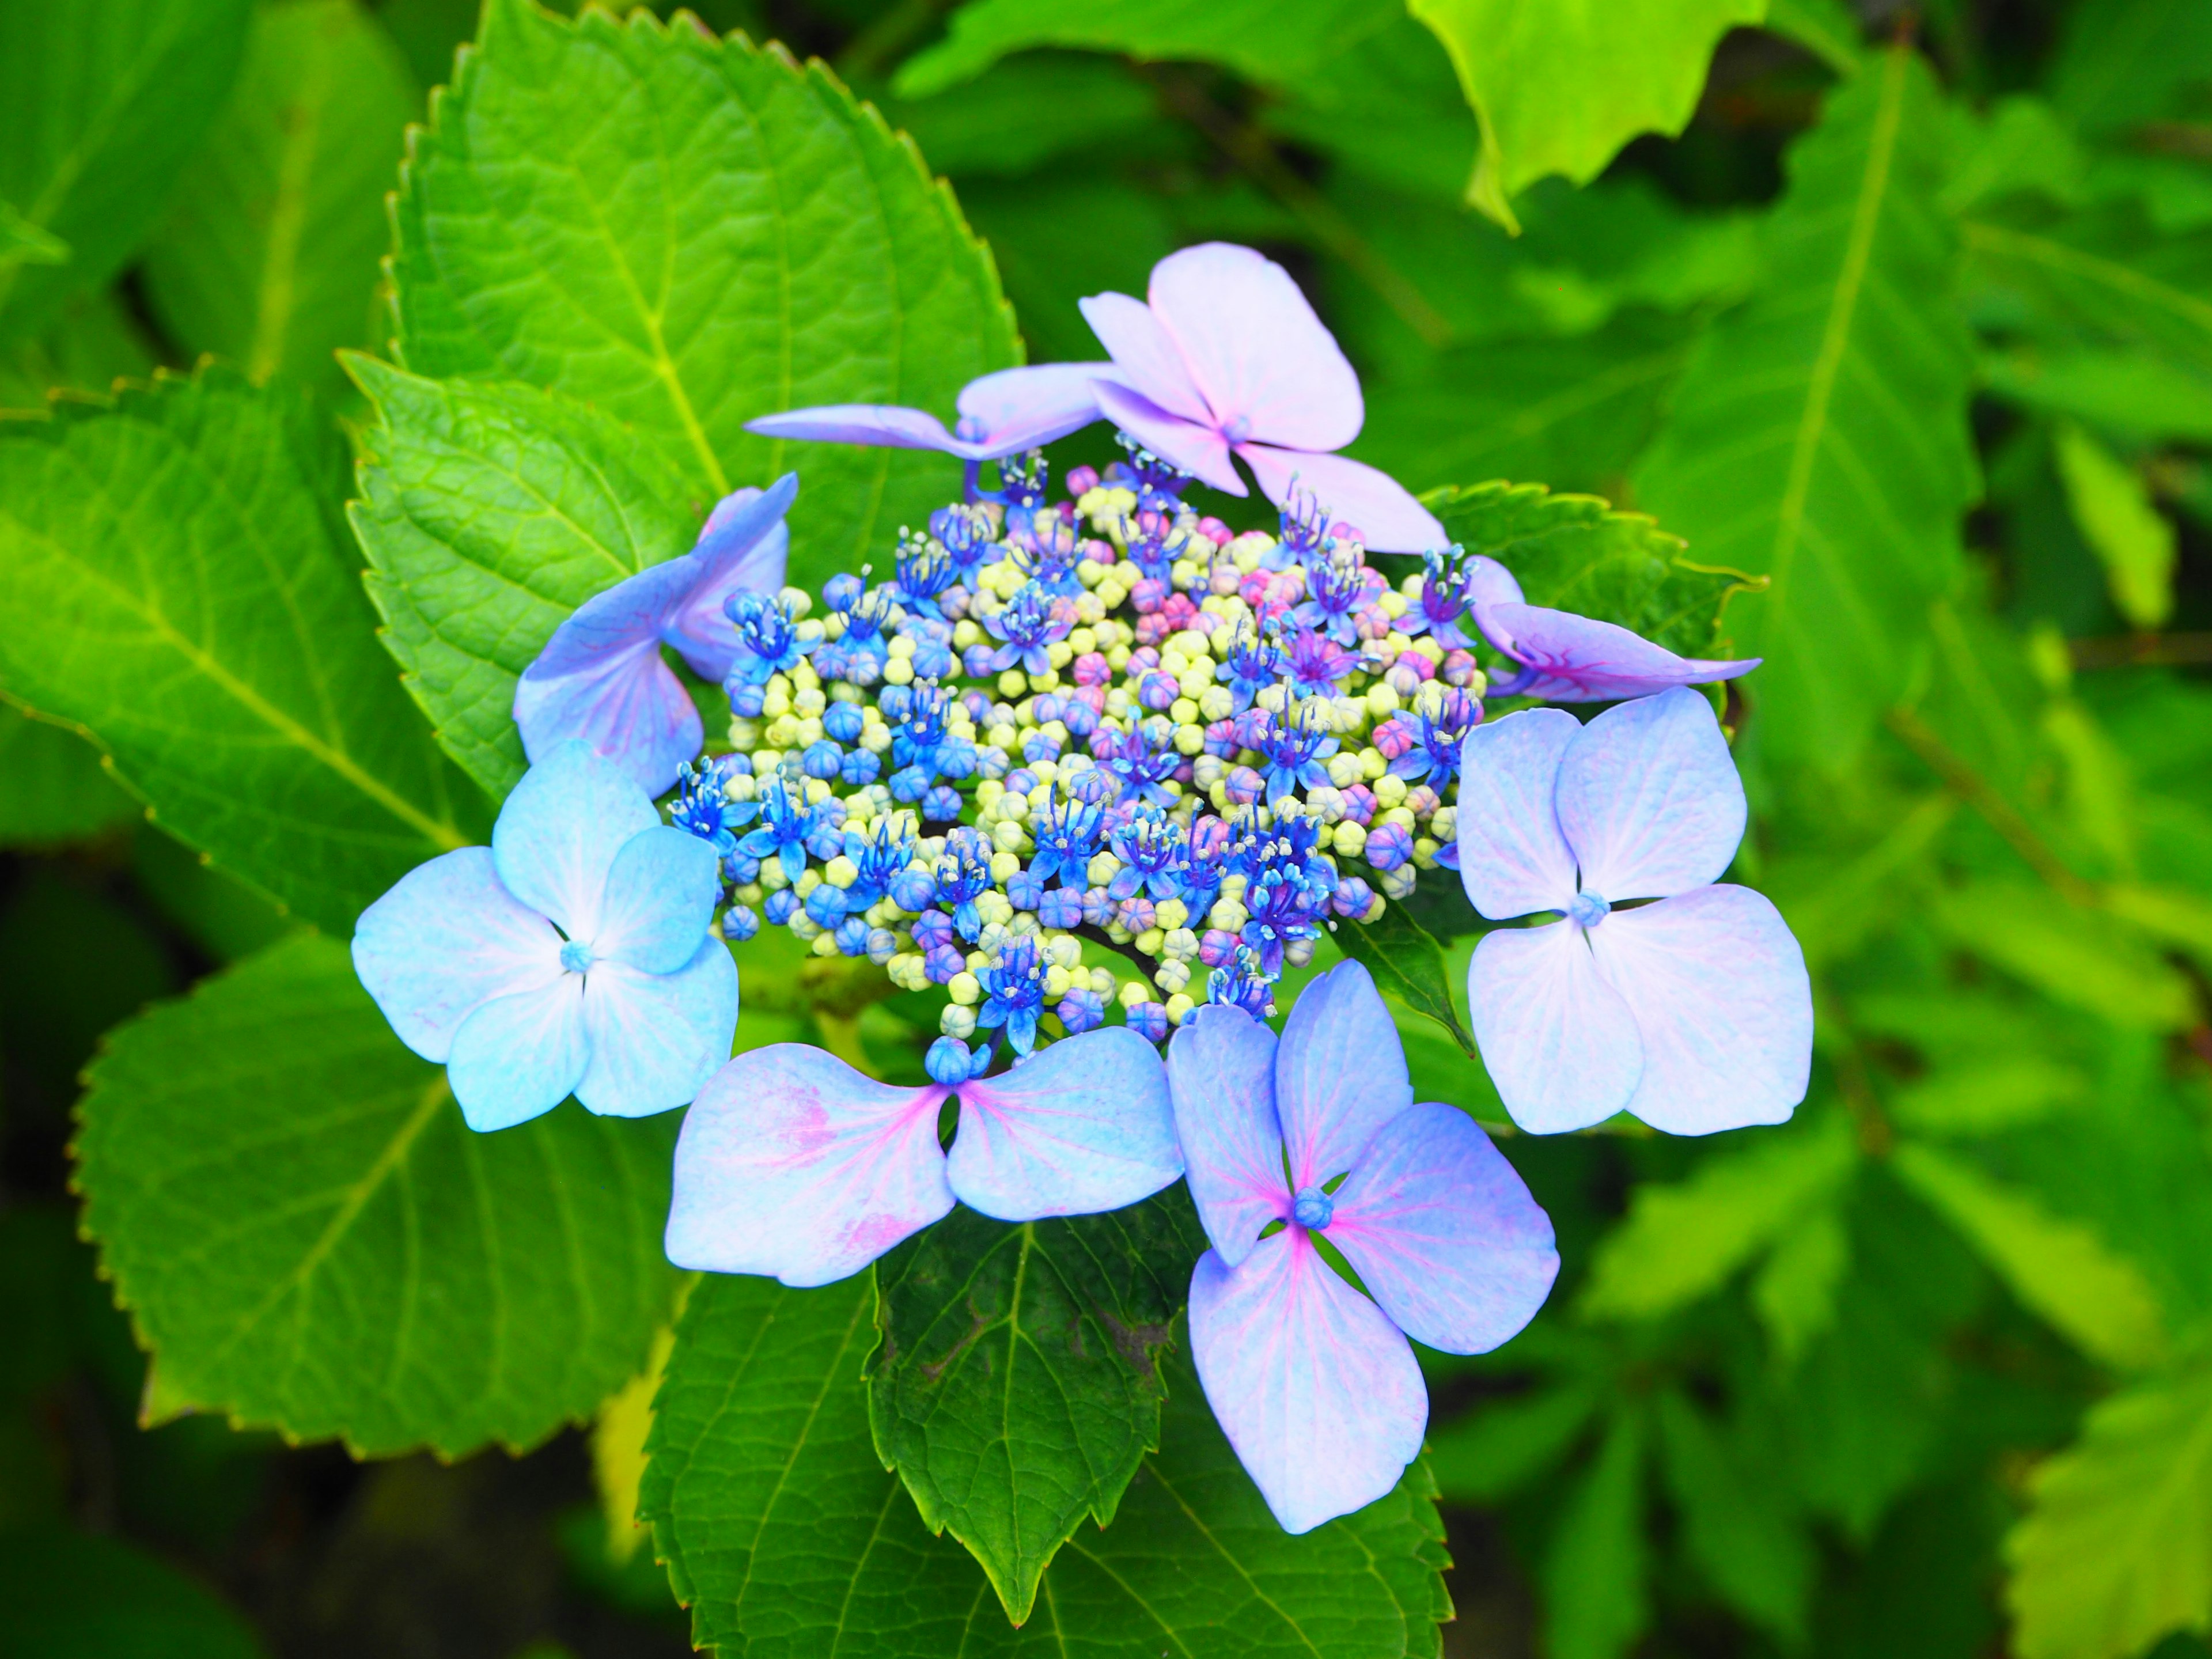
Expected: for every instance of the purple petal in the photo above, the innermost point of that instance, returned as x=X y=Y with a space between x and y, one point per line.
x=447 y=938
x=1145 y=357
x=793 y=1165
x=1255 y=348
x=1020 y=409
x=1558 y=1040
x=1083 y=1127
x=556 y=837
x=1340 y=1074
x=886 y=426
x=1581 y=660
x=1513 y=859
x=1718 y=989
x=1649 y=799
x=1199 y=450
x=1489 y=582
x=656 y=1038
x=1221 y=1074
x=618 y=697
x=745 y=544
x=660 y=895
x=1316 y=1390
x=1444 y=1233
x=1389 y=519
x=517 y=1057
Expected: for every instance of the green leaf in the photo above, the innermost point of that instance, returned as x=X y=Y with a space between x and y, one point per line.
x=2110 y=1553
x=1561 y=89
x=2121 y=62
x=2060 y=1270
x=1407 y=963
x=309 y=1237
x=1595 y=1602
x=1993 y=1093
x=690 y=233
x=1682 y=1242
x=2077 y=957
x=91 y=345
x=65 y=1595
x=489 y=513
x=270 y=256
x=785 y=1536
x=1575 y=553
x=2129 y=391
x=2112 y=508
x=1017 y=1384
x=1820 y=437
x=1264 y=42
x=220 y=649
x=1795 y=1291
x=51 y=786
x=1501 y=1445
x=1737 y=1522
x=2105 y=276
x=22 y=242
x=106 y=101
x=1027 y=112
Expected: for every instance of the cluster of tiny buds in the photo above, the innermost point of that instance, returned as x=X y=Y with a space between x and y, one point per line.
x=1056 y=735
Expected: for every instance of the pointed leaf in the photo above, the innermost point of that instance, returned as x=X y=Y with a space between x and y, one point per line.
x=1016 y=1385
x=308 y=1238
x=1405 y=964
x=51 y=785
x=1596 y=1603
x=220 y=649
x=689 y=232
x=1819 y=439
x=787 y=1538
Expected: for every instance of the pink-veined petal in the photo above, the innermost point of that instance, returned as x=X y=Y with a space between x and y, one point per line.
x=1255 y=349
x=1340 y=1074
x=656 y=1038
x=1144 y=356
x=1387 y=518
x=627 y=705
x=556 y=837
x=883 y=425
x=517 y=1057
x=1316 y=1389
x=1513 y=860
x=743 y=544
x=446 y=939
x=1558 y=1040
x=1649 y=799
x=1718 y=986
x=1221 y=1075
x=660 y=895
x=1581 y=660
x=1082 y=1127
x=1198 y=450
x=1020 y=409
x=792 y=1164
x=1443 y=1232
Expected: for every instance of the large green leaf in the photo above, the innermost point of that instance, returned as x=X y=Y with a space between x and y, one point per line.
x=1018 y=1384
x=309 y=1238
x=2121 y=62
x=270 y=256
x=1561 y=89
x=218 y=645
x=1263 y=40
x=1820 y=437
x=1738 y=1521
x=1596 y=1603
x=51 y=786
x=66 y=1595
x=106 y=100
x=2111 y=1555
x=785 y=1536
x=1574 y=553
x=690 y=233
x=2109 y=274
x=489 y=513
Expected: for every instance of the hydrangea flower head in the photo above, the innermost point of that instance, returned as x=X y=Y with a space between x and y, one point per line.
x=1695 y=1013
x=794 y=1165
x=1318 y=1134
x=601 y=679
x=572 y=956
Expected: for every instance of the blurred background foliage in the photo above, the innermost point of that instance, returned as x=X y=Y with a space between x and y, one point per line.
x=1914 y=314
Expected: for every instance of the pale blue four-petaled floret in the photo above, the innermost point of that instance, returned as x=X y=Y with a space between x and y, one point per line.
x=1315 y=1384
x=1695 y=1013
x=572 y=956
